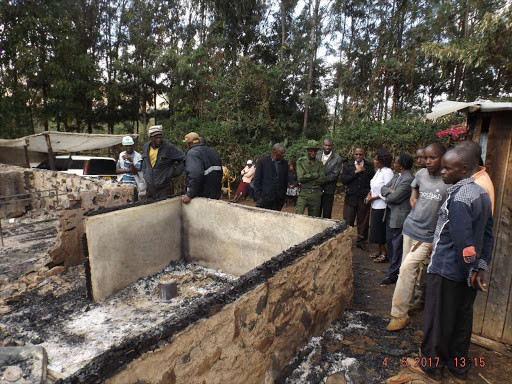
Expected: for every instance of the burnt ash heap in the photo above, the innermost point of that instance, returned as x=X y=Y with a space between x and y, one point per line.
x=107 y=364
x=358 y=346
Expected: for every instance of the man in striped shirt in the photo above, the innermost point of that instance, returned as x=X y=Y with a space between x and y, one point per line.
x=129 y=165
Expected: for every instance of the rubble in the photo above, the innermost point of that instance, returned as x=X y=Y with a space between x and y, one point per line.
x=60 y=318
x=357 y=348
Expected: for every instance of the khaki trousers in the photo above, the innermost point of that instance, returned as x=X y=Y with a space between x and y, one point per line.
x=411 y=261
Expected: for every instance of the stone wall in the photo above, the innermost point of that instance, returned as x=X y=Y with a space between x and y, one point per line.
x=252 y=339
x=77 y=196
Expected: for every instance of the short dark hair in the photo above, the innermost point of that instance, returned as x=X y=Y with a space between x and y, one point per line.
x=472 y=146
x=438 y=147
x=405 y=160
x=384 y=157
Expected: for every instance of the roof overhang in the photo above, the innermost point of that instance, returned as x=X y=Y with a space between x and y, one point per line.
x=447 y=107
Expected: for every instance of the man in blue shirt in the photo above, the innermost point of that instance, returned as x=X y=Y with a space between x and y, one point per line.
x=463 y=244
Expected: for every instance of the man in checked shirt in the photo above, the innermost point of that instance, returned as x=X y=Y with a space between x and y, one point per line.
x=463 y=244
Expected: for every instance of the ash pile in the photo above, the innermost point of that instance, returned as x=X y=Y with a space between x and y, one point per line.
x=355 y=350
x=73 y=330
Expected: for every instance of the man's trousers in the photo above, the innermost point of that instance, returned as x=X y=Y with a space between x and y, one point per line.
x=311 y=201
x=414 y=254
x=447 y=325
x=361 y=211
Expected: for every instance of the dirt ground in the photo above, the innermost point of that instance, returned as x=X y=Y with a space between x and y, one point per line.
x=366 y=321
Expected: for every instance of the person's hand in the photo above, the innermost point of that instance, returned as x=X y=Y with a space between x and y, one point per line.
x=391 y=190
x=360 y=168
x=185 y=199
x=479 y=280
x=292 y=186
x=126 y=156
x=368 y=198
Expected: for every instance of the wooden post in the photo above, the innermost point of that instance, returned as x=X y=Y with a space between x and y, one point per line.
x=51 y=157
x=25 y=148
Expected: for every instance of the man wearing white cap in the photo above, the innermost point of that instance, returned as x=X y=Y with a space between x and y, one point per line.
x=161 y=161
x=129 y=167
x=247 y=175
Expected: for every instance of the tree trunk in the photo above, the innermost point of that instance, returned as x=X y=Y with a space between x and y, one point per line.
x=283 y=30
x=312 y=54
x=459 y=69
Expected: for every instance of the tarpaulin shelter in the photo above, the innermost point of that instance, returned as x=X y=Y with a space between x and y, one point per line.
x=35 y=148
x=490 y=124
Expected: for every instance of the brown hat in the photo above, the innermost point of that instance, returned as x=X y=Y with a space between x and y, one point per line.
x=192 y=137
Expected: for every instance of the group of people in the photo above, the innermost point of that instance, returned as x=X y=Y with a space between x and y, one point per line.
x=153 y=170
x=439 y=218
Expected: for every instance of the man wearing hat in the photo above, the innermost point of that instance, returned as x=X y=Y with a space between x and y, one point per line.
x=203 y=168
x=310 y=174
x=161 y=161
x=129 y=167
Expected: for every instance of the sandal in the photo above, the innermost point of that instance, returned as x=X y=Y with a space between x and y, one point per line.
x=381 y=259
x=375 y=255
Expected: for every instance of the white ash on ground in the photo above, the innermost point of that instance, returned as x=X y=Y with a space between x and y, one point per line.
x=357 y=348
x=74 y=330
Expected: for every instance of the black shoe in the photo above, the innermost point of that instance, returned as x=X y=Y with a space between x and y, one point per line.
x=388 y=281
x=362 y=247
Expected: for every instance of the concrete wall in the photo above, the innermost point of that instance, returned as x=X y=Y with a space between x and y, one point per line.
x=128 y=244
x=236 y=239
x=252 y=339
x=78 y=196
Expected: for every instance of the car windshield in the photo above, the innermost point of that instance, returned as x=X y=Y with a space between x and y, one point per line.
x=101 y=167
x=63 y=164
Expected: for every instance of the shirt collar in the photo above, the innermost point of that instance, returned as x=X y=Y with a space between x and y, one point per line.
x=456 y=186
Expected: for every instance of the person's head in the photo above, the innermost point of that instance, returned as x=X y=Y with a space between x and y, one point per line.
x=403 y=162
x=359 y=154
x=155 y=135
x=419 y=157
x=278 y=152
x=327 y=145
x=191 y=139
x=291 y=167
x=128 y=144
x=202 y=140
x=249 y=163
x=312 y=148
x=382 y=159
x=473 y=147
x=458 y=164
x=432 y=159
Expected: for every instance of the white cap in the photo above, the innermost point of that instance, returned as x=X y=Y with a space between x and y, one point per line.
x=127 y=140
x=249 y=161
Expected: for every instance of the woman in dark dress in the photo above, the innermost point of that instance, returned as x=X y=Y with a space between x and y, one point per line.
x=293 y=185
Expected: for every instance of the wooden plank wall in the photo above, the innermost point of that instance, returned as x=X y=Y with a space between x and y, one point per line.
x=499 y=167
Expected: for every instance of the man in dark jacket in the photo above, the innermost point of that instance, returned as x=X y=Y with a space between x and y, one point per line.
x=332 y=168
x=397 y=195
x=356 y=176
x=203 y=168
x=271 y=179
x=161 y=161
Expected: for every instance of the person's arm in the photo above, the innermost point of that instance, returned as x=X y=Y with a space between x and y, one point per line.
x=484 y=261
x=385 y=189
x=321 y=175
x=250 y=172
x=333 y=176
x=347 y=175
x=402 y=192
x=304 y=177
x=195 y=173
x=414 y=196
x=178 y=156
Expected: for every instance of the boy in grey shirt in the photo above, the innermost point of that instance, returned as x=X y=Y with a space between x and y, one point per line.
x=429 y=193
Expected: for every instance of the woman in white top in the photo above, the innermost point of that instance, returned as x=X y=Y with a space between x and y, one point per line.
x=382 y=162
